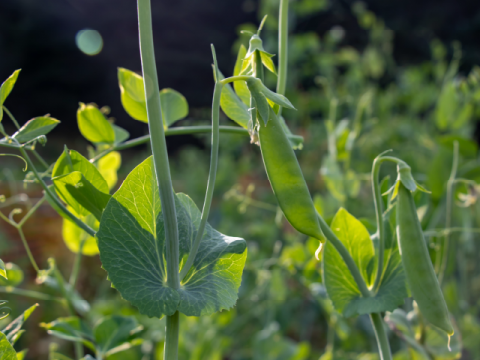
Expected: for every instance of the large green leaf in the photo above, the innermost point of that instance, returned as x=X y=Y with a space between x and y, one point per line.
x=80 y=193
x=342 y=288
x=34 y=128
x=131 y=240
x=93 y=125
x=6 y=349
x=6 y=89
x=173 y=104
x=76 y=162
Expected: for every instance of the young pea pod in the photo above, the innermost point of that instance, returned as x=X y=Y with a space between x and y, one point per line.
x=287 y=179
x=417 y=264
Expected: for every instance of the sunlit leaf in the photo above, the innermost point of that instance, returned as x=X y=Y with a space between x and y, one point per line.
x=74 y=236
x=6 y=88
x=241 y=86
x=131 y=240
x=108 y=167
x=14 y=275
x=3 y=270
x=93 y=125
x=6 y=349
x=34 y=128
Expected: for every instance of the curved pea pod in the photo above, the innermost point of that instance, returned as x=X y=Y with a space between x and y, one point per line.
x=287 y=179
x=417 y=264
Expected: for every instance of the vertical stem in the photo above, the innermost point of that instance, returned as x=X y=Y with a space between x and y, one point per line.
x=171 y=339
x=211 y=180
x=77 y=263
x=449 y=210
x=377 y=197
x=162 y=168
x=381 y=335
x=282 y=48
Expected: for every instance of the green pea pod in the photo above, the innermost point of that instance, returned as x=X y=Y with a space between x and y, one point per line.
x=417 y=264
x=287 y=179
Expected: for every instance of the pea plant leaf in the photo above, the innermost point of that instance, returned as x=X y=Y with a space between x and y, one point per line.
x=6 y=89
x=75 y=186
x=3 y=270
x=114 y=331
x=240 y=87
x=13 y=329
x=6 y=349
x=13 y=275
x=121 y=134
x=34 y=128
x=76 y=238
x=93 y=125
x=132 y=93
x=342 y=288
x=131 y=240
x=75 y=162
x=72 y=329
x=233 y=106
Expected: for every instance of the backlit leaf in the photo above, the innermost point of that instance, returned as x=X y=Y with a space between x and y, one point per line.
x=75 y=236
x=93 y=125
x=3 y=270
x=131 y=240
x=241 y=86
x=34 y=128
x=14 y=275
x=6 y=349
x=6 y=88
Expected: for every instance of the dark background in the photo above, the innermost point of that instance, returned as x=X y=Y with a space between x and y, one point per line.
x=39 y=37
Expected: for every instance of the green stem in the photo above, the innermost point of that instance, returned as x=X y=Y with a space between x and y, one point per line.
x=282 y=48
x=76 y=265
x=342 y=250
x=171 y=339
x=449 y=211
x=381 y=335
x=54 y=198
x=162 y=168
x=32 y=211
x=10 y=115
x=27 y=248
x=377 y=197
x=235 y=78
x=211 y=180
x=29 y=293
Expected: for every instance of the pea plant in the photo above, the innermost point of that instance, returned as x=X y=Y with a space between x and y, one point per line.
x=157 y=247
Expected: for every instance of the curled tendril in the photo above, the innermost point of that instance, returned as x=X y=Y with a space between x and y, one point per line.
x=17 y=156
x=4 y=311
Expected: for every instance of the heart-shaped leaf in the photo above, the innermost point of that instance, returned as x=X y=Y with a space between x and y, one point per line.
x=131 y=240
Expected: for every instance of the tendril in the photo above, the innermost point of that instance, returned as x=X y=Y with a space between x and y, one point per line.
x=17 y=156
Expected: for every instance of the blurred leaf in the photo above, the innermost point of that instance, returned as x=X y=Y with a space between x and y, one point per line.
x=466 y=147
x=6 y=349
x=74 y=235
x=121 y=135
x=112 y=331
x=138 y=241
x=71 y=329
x=6 y=88
x=3 y=270
x=173 y=104
x=21 y=355
x=34 y=128
x=12 y=329
x=80 y=194
x=89 y=172
x=108 y=167
x=446 y=106
x=14 y=275
x=93 y=125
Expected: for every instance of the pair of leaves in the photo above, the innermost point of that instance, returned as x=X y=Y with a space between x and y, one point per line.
x=340 y=284
x=6 y=89
x=95 y=127
x=112 y=334
x=173 y=104
x=132 y=247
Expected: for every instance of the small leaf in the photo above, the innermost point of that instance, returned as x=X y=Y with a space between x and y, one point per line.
x=121 y=135
x=405 y=176
x=240 y=87
x=113 y=331
x=93 y=125
x=267 y=61
x=6 y=349
x=6 y=88
x=233 y=106
x=87 y=169
x=14 y=275
x=3 y=270
x=35 y=128
x=21 y=355
x=71 y=329
x=173 y=104
x=15 y=326
x=74 y=236
x=108 y=167
x=276 y=98
x=131 y=236
x=79 y=193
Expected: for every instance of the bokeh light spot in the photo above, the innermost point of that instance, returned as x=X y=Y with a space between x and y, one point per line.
x=89 y=41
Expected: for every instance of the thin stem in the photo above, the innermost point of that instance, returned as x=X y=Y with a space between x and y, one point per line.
x=347 y=258
x=77 y=263
x=449 y=211
x=32 y=211
x=235 y=78
x=29 y=293
x=377 y=197
x=27 y=249
x=10 y=115
x=381 y=335
x=282 y=48
x=40 y=159
x=54 y=198
x=211 y=180
x=171 y=339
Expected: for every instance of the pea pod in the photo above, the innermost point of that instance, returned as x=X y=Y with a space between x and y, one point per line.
x=417 y=264
x=287 y=179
